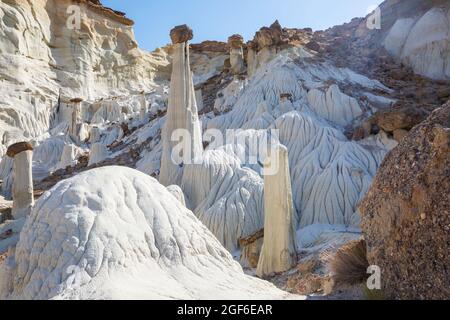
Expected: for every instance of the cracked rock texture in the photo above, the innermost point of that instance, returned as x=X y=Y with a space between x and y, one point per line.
x=406 y=214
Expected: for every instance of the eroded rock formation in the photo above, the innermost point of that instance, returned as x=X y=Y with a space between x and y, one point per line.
x=146 y=245
x=177 y=193
x=182 y=113
x=23 y=198
x=236 y=43
x=278 y=252
x=337 y=125
x=75 y=121
x=252 y=60
x=144 y=107
x=42 y=55
x=342 y=169
x=225 y=195
x=420 y=37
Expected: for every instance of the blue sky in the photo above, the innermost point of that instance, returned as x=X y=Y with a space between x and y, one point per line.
x=218 y=19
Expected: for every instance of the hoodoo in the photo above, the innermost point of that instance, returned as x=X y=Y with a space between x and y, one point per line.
x=252 y=61
x=150 y=169
x=75 y=119
x=144 y=109
x=268 y=40
x=278 y=253
x=235 y=42
x=182 y=114
x=23 y=199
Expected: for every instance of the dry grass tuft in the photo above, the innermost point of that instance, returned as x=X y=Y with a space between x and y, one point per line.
x=349 y=264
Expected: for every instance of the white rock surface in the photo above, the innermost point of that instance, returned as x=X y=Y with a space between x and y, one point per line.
x=278 y=253
x=108 y=111
x=115 y=233
x=6 y=167
x=75 y=122
x=182 y=114
x=206 y=66
x=68 y=157
x=397 y=36
x=177 y=193
x=237 y=60
x=252 y=62
x=22 y=190
x=226 y=197
x=99 y=152
x=94 y=135
x=15 y=227
x=330 y=174
x=334 y=106
x=40 y=55
x=423 y=42
x=288 y=74
x=144 y=107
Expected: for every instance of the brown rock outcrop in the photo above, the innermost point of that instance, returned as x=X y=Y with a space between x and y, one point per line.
x=251 y=248
x=399 y=118
x=17 y=148
x=236 y=41
x=269 y=36
x=313 y=45
x=181 y=34
x=210 y=46
x=406 y=214
x=107 y=12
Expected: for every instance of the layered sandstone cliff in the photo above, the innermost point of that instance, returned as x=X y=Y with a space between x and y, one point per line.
x=43 y=53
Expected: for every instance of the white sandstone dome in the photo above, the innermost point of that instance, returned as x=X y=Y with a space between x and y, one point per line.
x=116 y=233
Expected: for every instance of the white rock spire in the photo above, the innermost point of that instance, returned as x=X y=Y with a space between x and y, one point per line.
x=279 y=251
x=75 y=119
x=144 y=108
x=182 y=112
x=23 y=198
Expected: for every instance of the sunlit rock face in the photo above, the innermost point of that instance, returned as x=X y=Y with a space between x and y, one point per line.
x=225 y=196
x=43 y=49
x=23 y=198
x=419 y=36
x=115 y=233
x=235 y=42
x=182 y=114
x=313 y=101
x=329 y=173
x=278 y=253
